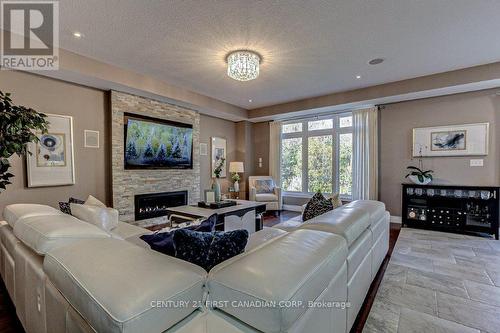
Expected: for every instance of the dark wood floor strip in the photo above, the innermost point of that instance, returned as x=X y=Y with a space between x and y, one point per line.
x=358 y=325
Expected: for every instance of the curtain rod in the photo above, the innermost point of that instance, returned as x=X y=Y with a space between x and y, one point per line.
x=324 y=114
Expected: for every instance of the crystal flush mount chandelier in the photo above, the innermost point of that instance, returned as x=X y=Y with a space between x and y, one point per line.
x=243 y=65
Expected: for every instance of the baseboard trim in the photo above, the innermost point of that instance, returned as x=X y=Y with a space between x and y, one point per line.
x=293 y=208
x=396 y=219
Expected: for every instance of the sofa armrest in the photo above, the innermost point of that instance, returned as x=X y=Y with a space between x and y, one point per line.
x=277 y=191
x=252 y=193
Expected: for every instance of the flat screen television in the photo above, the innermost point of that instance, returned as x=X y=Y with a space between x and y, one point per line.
x=152 y=143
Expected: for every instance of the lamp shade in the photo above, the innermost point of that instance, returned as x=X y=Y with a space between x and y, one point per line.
x=236 y=167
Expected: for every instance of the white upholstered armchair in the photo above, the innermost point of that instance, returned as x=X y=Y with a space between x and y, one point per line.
x=272 y=199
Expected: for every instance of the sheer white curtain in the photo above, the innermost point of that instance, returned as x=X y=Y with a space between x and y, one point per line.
x=365 y=154
x=274 y=151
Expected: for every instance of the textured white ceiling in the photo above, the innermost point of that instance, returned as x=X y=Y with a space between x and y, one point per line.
x=310 y=47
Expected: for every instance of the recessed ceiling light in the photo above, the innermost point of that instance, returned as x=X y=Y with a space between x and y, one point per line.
x=376 y=61
x=358 y=77
x=249 y=101
x=77 y=34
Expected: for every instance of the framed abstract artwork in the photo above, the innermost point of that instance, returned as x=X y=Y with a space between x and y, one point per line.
x=50 y=161
x=219 y=151
x=454 y=140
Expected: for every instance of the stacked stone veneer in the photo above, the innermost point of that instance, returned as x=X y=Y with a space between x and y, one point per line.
x=127 y=183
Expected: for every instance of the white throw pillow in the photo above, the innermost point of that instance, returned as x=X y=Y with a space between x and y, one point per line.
x=103 y=217
x=93 y=201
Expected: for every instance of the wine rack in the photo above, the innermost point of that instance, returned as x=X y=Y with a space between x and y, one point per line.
x=465 y=209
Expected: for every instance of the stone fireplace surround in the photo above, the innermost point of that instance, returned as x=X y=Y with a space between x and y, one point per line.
x=128 y=183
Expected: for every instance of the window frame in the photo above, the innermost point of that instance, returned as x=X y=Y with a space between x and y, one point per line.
x=305 y=134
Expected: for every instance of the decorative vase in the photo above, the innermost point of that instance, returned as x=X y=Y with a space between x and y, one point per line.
x=216 y=188
x=236 y=187
x=415 y=180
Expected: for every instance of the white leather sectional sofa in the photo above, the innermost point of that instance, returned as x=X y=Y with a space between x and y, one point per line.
x=65 y=275
x=364 y=224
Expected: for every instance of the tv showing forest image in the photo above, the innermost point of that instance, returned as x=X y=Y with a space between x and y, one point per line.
x=154 y=143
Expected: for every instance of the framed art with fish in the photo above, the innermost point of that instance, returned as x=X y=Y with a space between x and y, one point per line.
x=453 y=140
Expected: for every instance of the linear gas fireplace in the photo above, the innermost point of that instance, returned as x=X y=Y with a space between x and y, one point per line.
x=154 y=205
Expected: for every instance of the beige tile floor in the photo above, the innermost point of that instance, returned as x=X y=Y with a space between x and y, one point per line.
x=439 y=282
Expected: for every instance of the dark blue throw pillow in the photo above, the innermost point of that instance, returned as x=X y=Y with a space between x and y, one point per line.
x=163 y=241
x=208 y=249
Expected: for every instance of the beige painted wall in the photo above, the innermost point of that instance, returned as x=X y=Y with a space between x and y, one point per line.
x=244 y=153
x=89 y=110
x=398 y=120
x=209 y=127
x=261 y=148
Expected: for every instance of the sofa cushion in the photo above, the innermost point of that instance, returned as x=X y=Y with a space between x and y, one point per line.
x=346 y=221
x=93 y=201
x=14 y=212
x=102 y=217
x=290 y=225
x=375 y=209
x=336 y=202
x=126 y=230
x=297 y=266
x=263 y=236
x=119 y=287
x=266 y=197
x=42 y=233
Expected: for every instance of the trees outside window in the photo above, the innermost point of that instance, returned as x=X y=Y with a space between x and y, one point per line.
x=316 y=155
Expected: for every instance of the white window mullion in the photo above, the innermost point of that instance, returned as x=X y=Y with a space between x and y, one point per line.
x=305 y=156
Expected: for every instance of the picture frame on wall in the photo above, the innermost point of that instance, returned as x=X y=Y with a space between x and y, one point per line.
x=91 y=139
x=219 y=150
x=50 y=161
x=453 y=140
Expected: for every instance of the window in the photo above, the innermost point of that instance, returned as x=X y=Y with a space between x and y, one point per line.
x=316 y=155
x=291 y=171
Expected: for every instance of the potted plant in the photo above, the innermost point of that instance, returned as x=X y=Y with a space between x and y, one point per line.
x=236 y=178
x=18 y=125
x=217 y=173
x=417 y=176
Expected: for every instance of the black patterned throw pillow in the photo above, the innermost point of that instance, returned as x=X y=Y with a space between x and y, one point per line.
x=65 y=206
x=76 y=201
x=208 y=249
x=317 y=206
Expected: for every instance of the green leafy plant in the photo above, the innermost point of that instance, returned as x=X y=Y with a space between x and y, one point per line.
x=235 y=177
x=218 y=168
x=18 y=125
x=421 y=175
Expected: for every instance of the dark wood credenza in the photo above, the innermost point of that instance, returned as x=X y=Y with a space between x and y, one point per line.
x=465 y=209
